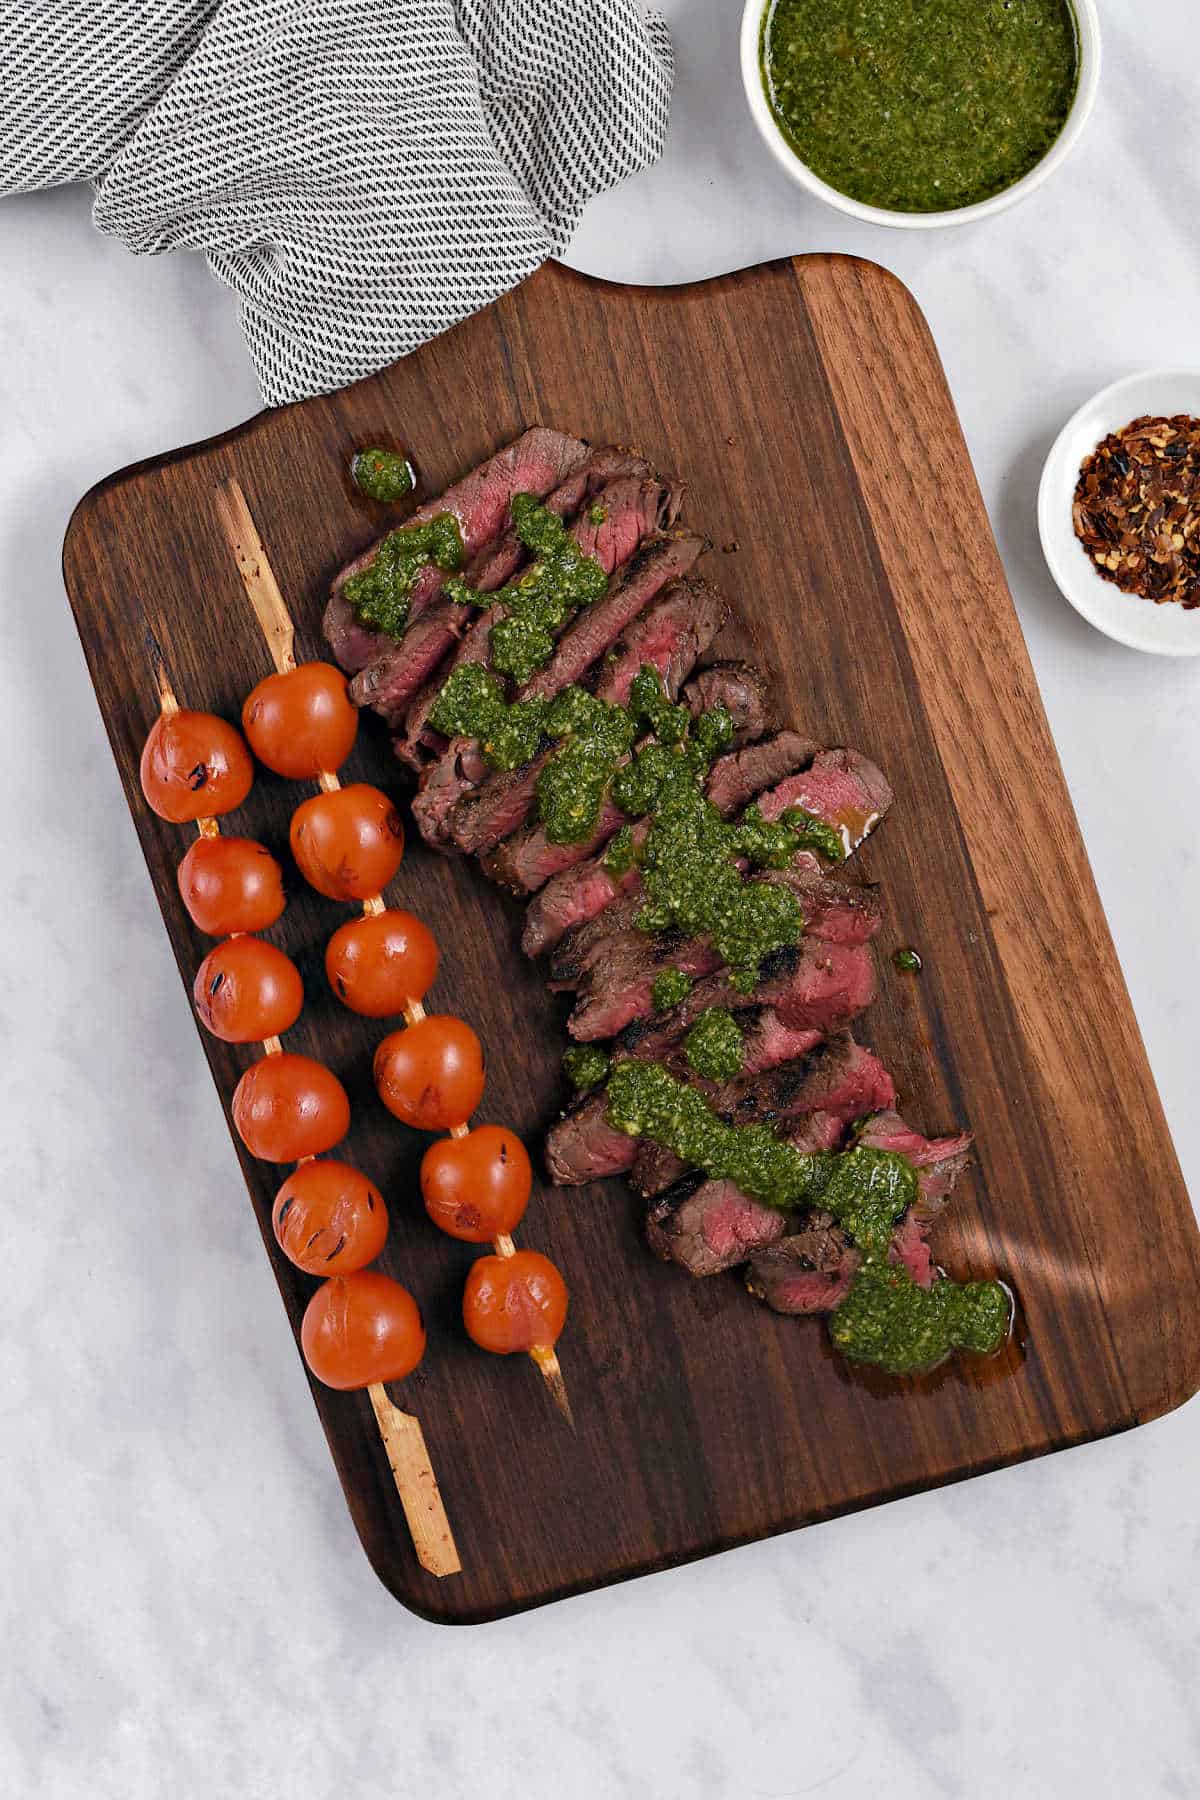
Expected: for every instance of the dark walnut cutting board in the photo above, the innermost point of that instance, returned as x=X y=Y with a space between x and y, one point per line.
x=805 y=406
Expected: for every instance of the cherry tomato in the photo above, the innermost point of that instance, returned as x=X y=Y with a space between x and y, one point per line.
x=362 y=1328
x=246 y=990
x=329 y=1219
x=381 y=963
x=231 y=884
x=287 y=1106
x=431 y=1074
x=348 y=844
x=194 y=766
x=516 y=1302
x=302 y=723
x=477 y=1187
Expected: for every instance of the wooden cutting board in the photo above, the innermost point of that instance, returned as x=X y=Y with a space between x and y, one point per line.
x=805 y=405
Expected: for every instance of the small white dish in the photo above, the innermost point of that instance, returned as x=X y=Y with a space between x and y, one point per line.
x=1087 y=22
x=1162 y=629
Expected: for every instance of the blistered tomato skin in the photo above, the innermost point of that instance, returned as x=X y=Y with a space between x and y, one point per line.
x=246 y=990
x=348 y=844
x=382 y=963
x=476 y=1188
x=363 y=1328
x=230 y=884
x=286 y=1107
x=194 y=766
x=514 y=1303
x=329 y=1219
x=430 y=1075
x=301 y=723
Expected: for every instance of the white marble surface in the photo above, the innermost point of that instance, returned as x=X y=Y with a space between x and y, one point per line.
x=184 y=1606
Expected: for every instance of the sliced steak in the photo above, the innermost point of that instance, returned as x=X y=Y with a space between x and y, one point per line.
x=711 y=1227
x=938 y=1161
x=582 y=1146
x=616 y=984
x=534 y=463
x=738 y=776
x=841 y=1078
x=417 y=744
x=502 y=803
x=656 y=562
x=809 y=985
x=808 y=1272
x=737 y=686
x=831 y=1083
x=843 y=787
x=670 y=635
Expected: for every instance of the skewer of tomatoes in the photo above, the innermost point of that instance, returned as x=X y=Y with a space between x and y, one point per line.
x=348 y=843
x=361 y=1329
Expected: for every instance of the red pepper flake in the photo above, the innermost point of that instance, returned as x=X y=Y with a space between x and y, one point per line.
x=1137 y=508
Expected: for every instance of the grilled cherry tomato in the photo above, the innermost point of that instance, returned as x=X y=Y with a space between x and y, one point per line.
x=381 y=963
x=348 y=844
x=194 y=766
x=302 y=723
x=329 y=1219
x=231 y=884
x=362 y=1328
x=516 y=1302
x=431 y=1074
x=477 y=1187
x=288 y=1106
x=246 y=990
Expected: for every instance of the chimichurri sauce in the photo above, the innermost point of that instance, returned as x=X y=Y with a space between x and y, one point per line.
x=919 y=105
x=383 y=475
x=886 y=1318
x=715 y=1046
x=381 y=594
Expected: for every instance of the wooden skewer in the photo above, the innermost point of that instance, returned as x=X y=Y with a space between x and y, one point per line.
x=275 y=623
x=403 y=1439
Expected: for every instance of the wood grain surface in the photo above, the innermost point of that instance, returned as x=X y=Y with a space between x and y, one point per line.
x=804 y=403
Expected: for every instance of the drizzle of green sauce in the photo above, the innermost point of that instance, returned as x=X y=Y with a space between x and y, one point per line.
x=907 y=961
x=715 y=1046
x=669 y=988
x=381 y=594
x=623 y=853
x=597 y=513
x=593 y=736
x=919 y=107
x=383 y=475
x=472 y=704
x=886 y=1318
x=586 y=1066
x=541 y=600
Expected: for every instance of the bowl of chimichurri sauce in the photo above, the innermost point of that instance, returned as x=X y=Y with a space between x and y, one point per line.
x=920 y=112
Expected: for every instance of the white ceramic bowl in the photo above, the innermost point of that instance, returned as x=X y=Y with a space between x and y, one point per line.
x=1088 y=21
x=1166 y=629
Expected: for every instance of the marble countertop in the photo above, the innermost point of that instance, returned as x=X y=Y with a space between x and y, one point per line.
x=186 y=1609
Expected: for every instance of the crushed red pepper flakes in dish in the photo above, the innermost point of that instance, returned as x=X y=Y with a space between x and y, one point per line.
x=1137 y=508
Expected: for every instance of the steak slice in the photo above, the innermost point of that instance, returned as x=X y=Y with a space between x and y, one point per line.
x=737 y=686
x=809 y=985
x=534 y=463
x=738 y=776
x=582 y=1146
x=502 y=803
x=843 y=787
x=938 y=1161
x=621 y=971
x=573 y=897
x=656 y=561
x=416 y=744
x=836 y=1082
x=712 y=1227
x=670 y=635
x=808 y=1272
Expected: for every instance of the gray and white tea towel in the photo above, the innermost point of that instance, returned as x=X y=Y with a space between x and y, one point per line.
x=362 y=173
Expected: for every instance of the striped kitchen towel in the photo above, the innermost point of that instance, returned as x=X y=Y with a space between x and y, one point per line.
x=362 y=173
